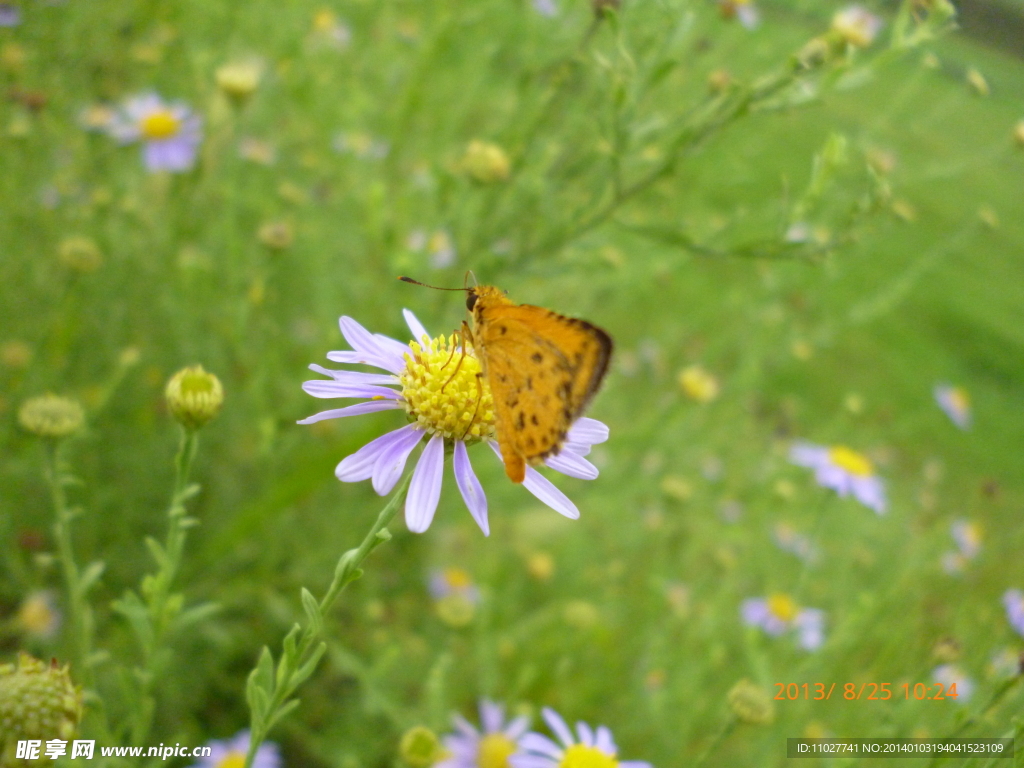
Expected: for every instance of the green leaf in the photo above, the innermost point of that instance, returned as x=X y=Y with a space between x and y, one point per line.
x=90 y=576
x=196 y=614
x=302 y=673
x=312 y=609
x=156 y=549
x=257 y=697
x=134 y=610
x=264 y=672
x=283 y=711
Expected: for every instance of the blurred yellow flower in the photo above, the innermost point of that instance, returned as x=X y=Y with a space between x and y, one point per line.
x=239 y=79
x=856 y=26
x=486 y=162
x=541 y=566
x=80 y=254
x=697 y=384
x=277 y=235
x=38 y=615
x=15 y=354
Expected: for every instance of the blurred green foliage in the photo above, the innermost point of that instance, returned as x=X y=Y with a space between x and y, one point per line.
x=629 y=616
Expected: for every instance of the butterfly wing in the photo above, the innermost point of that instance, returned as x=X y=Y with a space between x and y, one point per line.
x=543 y=368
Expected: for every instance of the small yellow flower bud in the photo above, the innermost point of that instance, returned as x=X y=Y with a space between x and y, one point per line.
x=541 y=566
x=80 y=254
x=15 y=354
x=419 y=747
x=277 y=235
x=37 y=701
x=697 y=384
x=856 y=26
x=239 y=79
x=12 y=57
x=581 y=614
x=486 y=162
x=1018 y=133
x=751 y=703
x=51 y=416
x=194 y=396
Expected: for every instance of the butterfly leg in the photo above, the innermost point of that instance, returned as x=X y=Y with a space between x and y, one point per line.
x=463 y=331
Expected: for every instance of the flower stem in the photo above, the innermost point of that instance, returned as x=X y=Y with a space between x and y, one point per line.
x=716 y=742
x=299 y=659
x=80 y=615
x=161 y=606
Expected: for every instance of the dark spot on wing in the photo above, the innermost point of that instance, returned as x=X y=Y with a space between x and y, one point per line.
x=537 y=357
x=533 y=420
x=520 y=421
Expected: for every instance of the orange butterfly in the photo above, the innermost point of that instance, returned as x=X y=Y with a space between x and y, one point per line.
x=542 y=368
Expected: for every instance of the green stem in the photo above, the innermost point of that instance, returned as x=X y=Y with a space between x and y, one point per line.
x=716 y=742
x=80 y=616
x=156 y=588
x=177 y=531
x=298 y=657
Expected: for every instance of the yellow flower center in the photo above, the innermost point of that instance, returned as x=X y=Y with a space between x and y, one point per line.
x=851 y=461
x=444 y=392
x=232 y=760
x=495 y=750
x=36 y=616
x=582 y=756
x=783 y=607
x=457 y=578
x=161 y=124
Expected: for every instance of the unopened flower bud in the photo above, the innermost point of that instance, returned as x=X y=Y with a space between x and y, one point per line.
x=37 y=701
x=856 y=25
x=80 y=254
x=486 y=162
x=420 y=747
x=51 y=416
x=239 y=79
x=697 y=384
x=751 y=703
x=194 y=396
x=277 y=235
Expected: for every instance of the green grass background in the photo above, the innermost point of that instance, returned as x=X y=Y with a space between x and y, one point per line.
x=186 y=280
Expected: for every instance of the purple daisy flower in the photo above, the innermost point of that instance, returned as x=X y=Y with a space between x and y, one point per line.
x=779 y=613
x=170 y=133
x=594 y=747
x=446 y=402
x=959 y=686
x=545 y=8
x=955 y=403
x=10 y=15
x=1013 y=599
x=490 y=748
x=844 y=470
x=230 y=753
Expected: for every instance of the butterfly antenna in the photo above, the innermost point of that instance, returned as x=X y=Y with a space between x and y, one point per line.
x=436 y=288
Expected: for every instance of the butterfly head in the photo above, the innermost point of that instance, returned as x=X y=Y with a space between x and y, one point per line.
x=485 y=295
